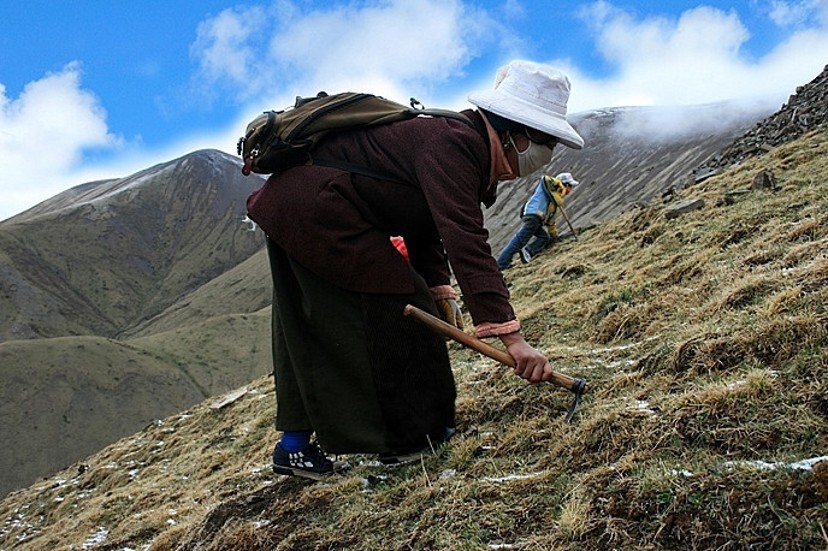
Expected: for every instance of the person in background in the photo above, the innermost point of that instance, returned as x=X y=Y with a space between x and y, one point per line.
x=538 y=219
x=352 y=373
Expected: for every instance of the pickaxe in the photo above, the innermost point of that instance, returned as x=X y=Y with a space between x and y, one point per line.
x=578 y=386
x=560 y=208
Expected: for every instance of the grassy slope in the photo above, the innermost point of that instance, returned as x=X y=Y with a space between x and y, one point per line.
x=218 y=354
x=103 y=389
x=243 y=288
x=705 y=339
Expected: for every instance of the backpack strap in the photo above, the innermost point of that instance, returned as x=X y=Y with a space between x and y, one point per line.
x=379 y=175
x=419 y=109
x=357 y=169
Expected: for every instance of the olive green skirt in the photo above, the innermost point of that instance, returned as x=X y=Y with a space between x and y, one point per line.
x=351 y=367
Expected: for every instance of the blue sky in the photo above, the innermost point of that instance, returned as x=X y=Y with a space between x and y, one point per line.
x=101 y=89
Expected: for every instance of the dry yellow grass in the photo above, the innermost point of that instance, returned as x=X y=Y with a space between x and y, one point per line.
x=705 y=340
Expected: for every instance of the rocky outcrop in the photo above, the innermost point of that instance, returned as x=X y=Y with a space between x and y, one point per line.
x=683 y=207
x=806 y=110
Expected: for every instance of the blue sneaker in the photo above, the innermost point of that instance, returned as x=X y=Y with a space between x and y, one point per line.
x=525 y=255
x=308 y=463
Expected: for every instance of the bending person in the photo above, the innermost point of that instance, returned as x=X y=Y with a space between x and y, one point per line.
x=349 y=367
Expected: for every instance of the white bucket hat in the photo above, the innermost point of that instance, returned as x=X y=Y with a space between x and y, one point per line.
x=567 y=179
x=534 y=95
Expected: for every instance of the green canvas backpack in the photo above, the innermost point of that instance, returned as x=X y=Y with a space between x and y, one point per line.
x=277 y=140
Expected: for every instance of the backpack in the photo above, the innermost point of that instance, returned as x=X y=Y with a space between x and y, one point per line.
x=277 y=140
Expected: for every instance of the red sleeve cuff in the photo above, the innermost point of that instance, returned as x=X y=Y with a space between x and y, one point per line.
x=488 y=329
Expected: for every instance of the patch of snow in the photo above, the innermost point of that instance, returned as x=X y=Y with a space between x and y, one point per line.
x=803 y=465
x=260 y=523
x=510 y=477
x=807 y=464
x=622 y=347
x=620 y=363
x=589 y=367
x=96 y=538
x=251 y=225
x=644 y=407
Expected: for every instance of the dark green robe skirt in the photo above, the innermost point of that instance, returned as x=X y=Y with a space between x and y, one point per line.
x=351 y=367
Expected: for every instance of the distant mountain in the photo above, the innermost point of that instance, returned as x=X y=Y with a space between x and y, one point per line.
x=106 y=256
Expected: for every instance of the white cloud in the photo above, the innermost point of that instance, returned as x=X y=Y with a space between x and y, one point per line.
x=661 y=60
x=383 y=40
x=43 y=134
x=795 y=14
x=380 y=46
x=225 y=52
x=693 y=59
x=514 y=9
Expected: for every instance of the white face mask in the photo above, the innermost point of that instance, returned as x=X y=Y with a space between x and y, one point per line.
x=532 y=158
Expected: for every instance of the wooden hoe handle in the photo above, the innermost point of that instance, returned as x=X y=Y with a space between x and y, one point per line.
x=436 y=324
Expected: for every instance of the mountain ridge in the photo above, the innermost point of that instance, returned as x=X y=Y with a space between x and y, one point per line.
x=151 y=239
x=103 y=262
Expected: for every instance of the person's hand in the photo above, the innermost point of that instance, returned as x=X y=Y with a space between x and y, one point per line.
x=530 y=363
x=450 y=312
